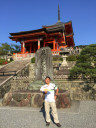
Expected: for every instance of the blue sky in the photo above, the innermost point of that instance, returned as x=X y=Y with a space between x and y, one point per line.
x=25 y=15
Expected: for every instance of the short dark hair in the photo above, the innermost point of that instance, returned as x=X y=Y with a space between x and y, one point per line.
x=47 y=77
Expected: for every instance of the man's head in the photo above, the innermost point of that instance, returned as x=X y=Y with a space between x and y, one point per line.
x=47 y=80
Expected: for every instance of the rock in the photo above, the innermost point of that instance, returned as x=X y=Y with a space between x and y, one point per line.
x=38 y=101
x=14 y=103
x=25 y=102
x=7 y=98
x=63 y=101
x=19 y=96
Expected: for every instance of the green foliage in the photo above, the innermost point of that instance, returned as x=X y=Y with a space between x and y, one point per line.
x=81 y=46
x=33 y=60
x=5 y=48
x=57 y=58
x=85 y=64
x=2 y=61
x=71 y=58
x=15 y=48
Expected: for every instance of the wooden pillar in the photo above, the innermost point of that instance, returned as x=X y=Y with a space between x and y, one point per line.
x=22 y=47
x=34 y=48
x=38 y=43
x=64 y=38
x=44 y=43
x=30 y=47
x=54 y=45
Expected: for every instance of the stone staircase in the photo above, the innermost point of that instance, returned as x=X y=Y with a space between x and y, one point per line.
x=15 y=68
x=12 y=68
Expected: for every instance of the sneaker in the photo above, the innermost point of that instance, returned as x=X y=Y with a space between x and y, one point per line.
x=58 y=124
x=47 y=123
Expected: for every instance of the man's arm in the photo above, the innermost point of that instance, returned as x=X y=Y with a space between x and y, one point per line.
x=42 y=89
x=56 y=94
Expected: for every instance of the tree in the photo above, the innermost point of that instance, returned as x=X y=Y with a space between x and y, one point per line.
x=86 y=64
x=15 y=48
x=5 y=48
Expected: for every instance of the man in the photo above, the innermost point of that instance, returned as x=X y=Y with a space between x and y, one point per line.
x=50 y=98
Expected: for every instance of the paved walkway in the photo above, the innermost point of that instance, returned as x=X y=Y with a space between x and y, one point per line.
x=13 y=66
x=83 y=116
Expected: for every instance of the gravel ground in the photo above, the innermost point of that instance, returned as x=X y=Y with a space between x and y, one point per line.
x=80 y=115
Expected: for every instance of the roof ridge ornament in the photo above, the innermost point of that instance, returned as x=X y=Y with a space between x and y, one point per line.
x=58 y=14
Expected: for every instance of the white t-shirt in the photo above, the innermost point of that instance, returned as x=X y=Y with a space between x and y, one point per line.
x=49 y=96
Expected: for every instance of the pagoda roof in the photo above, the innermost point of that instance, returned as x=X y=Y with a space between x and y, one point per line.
x=59 y=26
x=26 y=32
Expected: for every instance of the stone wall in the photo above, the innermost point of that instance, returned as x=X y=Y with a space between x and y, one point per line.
x=4 y=88
x=19 y=83
x=77 y=89
x=32 y=70
x=34 y=99
x=24 y=71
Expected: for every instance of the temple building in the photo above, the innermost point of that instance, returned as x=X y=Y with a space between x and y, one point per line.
x=56 y=36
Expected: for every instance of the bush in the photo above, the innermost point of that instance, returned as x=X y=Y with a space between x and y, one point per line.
x=5 y=62
x=86 y=64
x=71 y=58
x=2 y=61
x=57 y=58
x=33 y=60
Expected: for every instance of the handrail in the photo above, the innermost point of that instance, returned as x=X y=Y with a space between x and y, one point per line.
x=7 y=72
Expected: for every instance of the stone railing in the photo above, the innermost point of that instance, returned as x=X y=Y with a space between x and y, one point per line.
x=4 y=57
x=17 y=56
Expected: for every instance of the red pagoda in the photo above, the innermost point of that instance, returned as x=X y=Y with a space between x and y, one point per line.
x=56 y=36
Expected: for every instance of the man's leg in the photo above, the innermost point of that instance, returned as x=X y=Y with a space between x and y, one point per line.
x=47 y=110
x=54 y=112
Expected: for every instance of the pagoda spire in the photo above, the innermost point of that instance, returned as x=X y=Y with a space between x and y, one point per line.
x=58 y=14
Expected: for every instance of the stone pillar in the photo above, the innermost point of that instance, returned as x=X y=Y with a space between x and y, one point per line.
x=43 y=63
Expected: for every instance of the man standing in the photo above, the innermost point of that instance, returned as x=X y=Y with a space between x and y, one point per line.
x=50 y=97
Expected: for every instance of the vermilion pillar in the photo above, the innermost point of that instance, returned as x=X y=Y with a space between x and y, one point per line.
x=64 y=37
x=38 y=43
x=54 y=45
x=22 y=47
